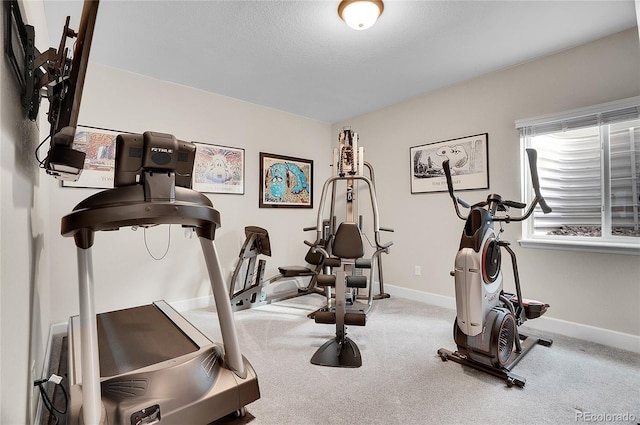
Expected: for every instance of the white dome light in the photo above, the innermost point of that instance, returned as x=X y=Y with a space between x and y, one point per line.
x=360 y=14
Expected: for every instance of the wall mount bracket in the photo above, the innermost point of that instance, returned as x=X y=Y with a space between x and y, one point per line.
x=56 y=75
x=38 y=74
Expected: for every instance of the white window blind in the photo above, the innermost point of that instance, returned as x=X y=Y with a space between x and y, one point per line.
x=588 y=164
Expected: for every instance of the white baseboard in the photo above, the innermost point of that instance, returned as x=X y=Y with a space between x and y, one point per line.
x=54 y=329
x=608 y=337
x=192 y=303
x=423 y=297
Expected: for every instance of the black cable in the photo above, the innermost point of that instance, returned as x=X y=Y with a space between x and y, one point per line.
x=147 y=245
x=48 y=404
x=38 y=148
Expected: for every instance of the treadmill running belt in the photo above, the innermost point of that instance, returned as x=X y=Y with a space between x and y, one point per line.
x=137 y=337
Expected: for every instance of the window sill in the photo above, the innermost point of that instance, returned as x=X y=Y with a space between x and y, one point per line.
x=627 y=248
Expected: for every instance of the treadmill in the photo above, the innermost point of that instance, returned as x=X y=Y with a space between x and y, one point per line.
x=148 y=364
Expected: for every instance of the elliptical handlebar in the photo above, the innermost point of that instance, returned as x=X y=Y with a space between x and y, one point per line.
x=538 y=199
x=533 y=160
x=456 y=200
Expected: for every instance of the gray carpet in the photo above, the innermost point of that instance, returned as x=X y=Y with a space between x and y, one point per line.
x=403 y=381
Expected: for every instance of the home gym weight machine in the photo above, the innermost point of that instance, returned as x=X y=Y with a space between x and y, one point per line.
x=486 y=326
x=248 y=287
x=348 y=156
x=341 y=251
x=148 y=364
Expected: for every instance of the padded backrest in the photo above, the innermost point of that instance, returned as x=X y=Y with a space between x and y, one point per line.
x=261 y=244
x=348 y=241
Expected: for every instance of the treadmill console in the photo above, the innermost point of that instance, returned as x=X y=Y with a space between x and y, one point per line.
x=153 y=151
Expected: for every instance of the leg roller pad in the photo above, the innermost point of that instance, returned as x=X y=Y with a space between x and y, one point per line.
x=329 y=318
x=326 y=280
x=326 y=317
x=355 y=319
x=363 y=263
x=356 y=281
x=333 y=262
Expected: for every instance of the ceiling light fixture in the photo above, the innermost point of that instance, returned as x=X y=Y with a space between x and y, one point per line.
x=360 y=14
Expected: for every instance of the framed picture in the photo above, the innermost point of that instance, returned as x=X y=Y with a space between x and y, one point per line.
x=218 y=169
x=99 y=145
x=285 y=182
x=468 y=162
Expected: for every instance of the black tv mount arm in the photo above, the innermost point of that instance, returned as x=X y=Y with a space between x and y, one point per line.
x=55 y=75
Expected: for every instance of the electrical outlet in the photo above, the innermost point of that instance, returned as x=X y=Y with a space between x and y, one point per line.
x=418 y=271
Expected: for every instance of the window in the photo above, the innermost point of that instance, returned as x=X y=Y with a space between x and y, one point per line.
x=588 y=166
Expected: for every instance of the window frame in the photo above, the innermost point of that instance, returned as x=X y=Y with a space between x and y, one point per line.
x=604 y=244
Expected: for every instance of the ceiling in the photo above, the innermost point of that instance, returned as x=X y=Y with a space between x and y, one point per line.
x=300 y=57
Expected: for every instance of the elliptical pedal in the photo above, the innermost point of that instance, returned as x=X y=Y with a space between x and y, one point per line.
x=510 y=378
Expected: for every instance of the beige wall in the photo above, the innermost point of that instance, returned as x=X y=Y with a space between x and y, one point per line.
x=25 y=309
x=598 y=290
x=124 y=272
x=38 y=266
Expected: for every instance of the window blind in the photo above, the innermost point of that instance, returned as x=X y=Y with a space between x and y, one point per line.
x=605 y=113
x=586 y=189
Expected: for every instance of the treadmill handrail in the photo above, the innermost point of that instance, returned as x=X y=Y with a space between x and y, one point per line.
x=125 y=206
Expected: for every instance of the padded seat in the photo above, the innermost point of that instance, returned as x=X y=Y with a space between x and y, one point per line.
x=293 y=271
x=312 y=257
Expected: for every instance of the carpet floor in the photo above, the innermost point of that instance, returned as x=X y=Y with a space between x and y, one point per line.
x=403 y=381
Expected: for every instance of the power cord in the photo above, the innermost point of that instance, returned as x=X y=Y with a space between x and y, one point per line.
x=41 y=161
x=47 y=401
x=147 y=245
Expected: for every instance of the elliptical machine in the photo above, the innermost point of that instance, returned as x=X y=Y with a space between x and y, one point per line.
x=486 y=326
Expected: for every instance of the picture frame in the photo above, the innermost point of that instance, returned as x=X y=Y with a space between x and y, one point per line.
x=468 y=160
x=99 y=145
x=218 y=169
x=285 y=182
